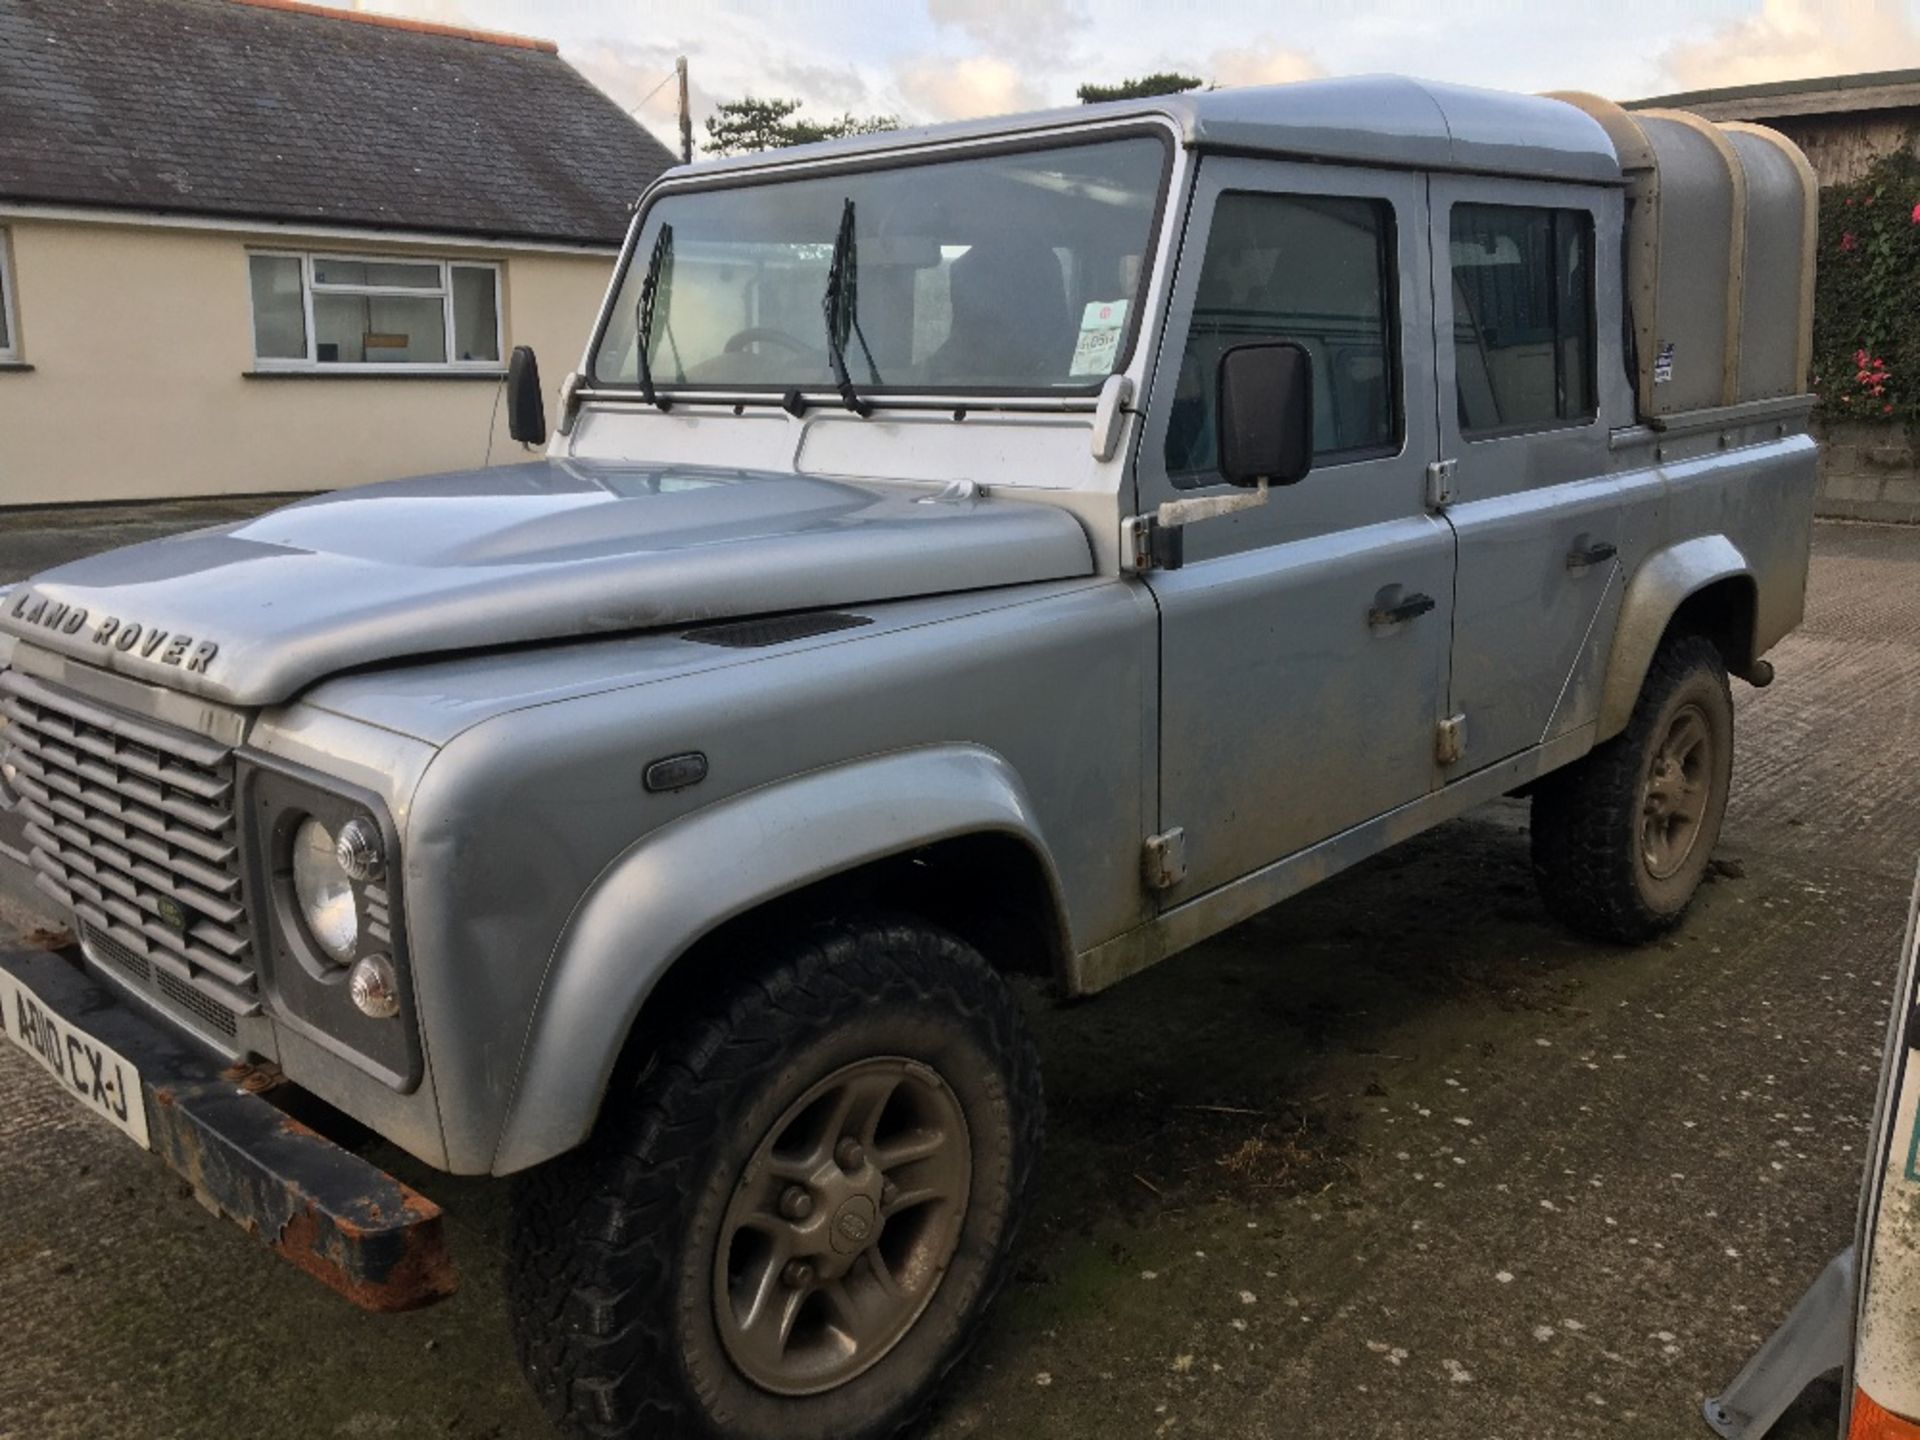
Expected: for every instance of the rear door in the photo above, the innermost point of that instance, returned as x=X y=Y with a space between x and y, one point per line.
x=1291 y=707
x=1517 y=295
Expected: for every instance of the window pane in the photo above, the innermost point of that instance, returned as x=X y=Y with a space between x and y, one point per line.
x=6 y=332
x=279 y=314
x=379 y=329
x=1575 y=313
x=1523 y=315
x=1018 y=271
x=375 y=272
x=476 y=322
x=1303 y=268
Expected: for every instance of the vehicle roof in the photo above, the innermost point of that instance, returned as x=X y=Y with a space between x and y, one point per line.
x=1363 y=119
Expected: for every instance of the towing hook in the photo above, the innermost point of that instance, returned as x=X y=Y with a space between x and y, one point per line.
x=1759 y=674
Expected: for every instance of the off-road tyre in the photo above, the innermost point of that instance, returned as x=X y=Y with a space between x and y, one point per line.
x=1591 y=820
x=611 y=1250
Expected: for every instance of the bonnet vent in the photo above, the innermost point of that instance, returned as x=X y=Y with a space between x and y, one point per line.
x=757 y=634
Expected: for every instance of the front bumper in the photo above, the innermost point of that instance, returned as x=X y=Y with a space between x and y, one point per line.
x=341 y=1219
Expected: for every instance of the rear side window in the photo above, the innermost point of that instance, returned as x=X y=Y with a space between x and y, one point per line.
x=1309 y=268
x=1522 y=316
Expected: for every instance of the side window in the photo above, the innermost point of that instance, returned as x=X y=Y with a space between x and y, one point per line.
x=9 y=345
x=391 y=312
x=1308 y=268
x=1522 y=316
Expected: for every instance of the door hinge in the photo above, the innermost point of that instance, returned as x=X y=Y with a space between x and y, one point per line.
x=1165 y=859
x=1440 y=476
x=1450 y=740
x=1136 y=542
x=1146 y=544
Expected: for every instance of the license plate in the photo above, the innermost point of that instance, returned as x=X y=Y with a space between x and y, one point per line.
x=99 y=1078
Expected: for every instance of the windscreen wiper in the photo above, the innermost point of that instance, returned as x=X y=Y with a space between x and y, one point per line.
x=842 y=306
x=658 y=263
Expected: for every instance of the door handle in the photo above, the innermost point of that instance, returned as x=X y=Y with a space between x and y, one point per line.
x=1581 y=556
x=1407 y=609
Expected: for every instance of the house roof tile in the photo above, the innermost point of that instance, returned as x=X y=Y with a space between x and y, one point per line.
x=284 y=111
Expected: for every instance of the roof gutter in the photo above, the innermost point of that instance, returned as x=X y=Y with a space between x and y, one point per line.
x=281 y=231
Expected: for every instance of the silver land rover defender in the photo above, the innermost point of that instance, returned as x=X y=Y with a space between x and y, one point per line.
x=1028 y=546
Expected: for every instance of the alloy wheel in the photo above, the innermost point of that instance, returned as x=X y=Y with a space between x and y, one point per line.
x=842 y=1225
x=1675 y=796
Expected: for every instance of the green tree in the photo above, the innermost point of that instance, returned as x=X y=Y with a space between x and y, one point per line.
x=743 y=126
x=1161 y=82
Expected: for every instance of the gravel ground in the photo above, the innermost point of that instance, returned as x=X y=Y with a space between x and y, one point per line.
x=1397 y=1159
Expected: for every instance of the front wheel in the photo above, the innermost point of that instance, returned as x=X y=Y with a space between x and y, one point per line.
x=792 y=1225
x=1623 y=837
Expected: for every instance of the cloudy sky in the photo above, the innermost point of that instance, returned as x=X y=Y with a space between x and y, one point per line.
x=947 y=59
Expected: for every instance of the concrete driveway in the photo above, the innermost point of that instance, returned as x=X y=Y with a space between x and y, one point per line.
x=1398 y=1159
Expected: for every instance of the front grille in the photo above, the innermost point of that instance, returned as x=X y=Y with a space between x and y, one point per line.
x=112 y=952
x=132 y=828
x=198 y=1002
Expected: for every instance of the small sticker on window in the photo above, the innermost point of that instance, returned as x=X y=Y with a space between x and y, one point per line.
x=1101 y=325
x=1663 y=364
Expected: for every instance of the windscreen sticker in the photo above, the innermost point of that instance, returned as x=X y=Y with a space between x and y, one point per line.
x=1101 y=325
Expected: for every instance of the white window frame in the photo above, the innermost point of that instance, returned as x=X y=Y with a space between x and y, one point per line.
x=312 y=364
x=9 y=308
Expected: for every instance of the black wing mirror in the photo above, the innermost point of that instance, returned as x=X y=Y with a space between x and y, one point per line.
x=1265 y=416
x=526 y=407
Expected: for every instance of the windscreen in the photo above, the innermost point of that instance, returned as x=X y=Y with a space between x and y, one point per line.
x=1015 y=271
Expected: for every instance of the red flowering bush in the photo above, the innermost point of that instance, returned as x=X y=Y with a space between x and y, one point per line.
x=1862 y=394
x=1866 y=312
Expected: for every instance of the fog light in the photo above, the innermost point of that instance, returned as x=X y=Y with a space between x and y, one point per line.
x=375 y=988
x=358 y=850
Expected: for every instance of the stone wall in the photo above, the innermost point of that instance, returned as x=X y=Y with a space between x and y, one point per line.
x=1869 y=470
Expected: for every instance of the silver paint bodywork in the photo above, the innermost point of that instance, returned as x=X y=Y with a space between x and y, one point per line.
x=541 y=551
x=499 y=655
x=1387 y=120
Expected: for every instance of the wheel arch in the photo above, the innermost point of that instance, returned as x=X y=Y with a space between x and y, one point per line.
x=928 y=831
x=1704 y=585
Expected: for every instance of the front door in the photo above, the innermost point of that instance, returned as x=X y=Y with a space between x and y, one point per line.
x=1519 y=271
x=1304 y=644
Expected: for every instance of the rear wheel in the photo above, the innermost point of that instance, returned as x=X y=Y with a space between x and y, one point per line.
x=1623 y=837
x=792 y=1225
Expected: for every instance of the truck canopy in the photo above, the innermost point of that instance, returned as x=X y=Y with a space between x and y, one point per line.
x=1720 y=245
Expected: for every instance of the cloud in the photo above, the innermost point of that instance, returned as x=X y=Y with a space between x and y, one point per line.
x=1795 y=40
x=732 y=50
x=1030 y=29
x=947 y=89
x=638 y=75
x=1263 y=63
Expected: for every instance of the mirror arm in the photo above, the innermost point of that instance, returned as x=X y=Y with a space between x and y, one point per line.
x=1110 y=416
x=1158 y=541
x=1172 y=514
x=569 y=401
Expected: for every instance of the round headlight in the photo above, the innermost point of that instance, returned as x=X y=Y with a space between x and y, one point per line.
x=324 y=892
